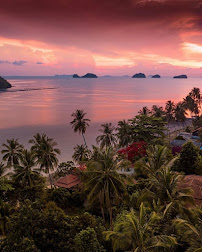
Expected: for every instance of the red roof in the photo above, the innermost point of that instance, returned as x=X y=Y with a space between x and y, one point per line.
x=68 y=181
x=195 y=183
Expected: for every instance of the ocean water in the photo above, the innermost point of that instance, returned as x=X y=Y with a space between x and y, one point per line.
x=45 y=105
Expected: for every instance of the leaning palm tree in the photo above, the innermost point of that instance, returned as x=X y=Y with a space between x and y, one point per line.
x=108 y=137
x=169 y=110
x=103 y=183
x=12 y=152
x=124 y=133
x=45 y=153
x=180 y=112
x=135 y=231
x=80 y=123
x=26 y=171
x=81 y=153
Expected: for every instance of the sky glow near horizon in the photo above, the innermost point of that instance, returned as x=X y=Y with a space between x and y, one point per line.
x=105 y=37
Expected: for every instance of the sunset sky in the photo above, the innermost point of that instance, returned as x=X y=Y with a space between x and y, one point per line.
x=116 y=37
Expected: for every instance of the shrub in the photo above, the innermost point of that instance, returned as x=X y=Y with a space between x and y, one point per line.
x=189 y=160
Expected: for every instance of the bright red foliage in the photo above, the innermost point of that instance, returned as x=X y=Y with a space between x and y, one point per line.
x=134 y=151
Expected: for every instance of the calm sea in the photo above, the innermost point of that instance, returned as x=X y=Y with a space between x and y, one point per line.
x=45 y=105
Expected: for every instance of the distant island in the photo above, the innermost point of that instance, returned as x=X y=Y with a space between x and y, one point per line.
x=156 y=76
x=183 y=76
x=88 y=75
x=4 y=84
x=139 y=75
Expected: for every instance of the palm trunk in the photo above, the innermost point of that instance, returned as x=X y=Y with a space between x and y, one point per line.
x=51 y=182
x=111 y=218
x=84 y=140
x=102 y=210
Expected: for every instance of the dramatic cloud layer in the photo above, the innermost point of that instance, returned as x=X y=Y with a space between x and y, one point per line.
x=108 y=37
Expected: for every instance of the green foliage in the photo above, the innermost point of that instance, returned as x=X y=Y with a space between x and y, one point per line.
x=45 y=153
x=12 y=152
x=81 y=153
x=103 y=183
x=147 y=128
x=134 y=231
x=63 y=169
x=124 y=133
x=80 y=123
x=108 y=137
x=65 y=199
x=189 y=160
x=86 y=241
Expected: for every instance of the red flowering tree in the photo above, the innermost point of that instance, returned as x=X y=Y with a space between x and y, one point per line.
x=134 y=151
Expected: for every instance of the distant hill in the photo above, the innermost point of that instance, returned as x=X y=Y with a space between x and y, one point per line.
x=4 y=84
x=139 y=75
x=183 y=76
x=88 y=75
x=156 y=76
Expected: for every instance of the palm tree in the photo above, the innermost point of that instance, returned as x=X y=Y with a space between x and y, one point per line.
x=193 y=101
x=164 y=182
x=135 y=231
x=12 y=152
x=81 y=153
x=108 y=137
x=26 y=171
x=80 y=123
x=157 y=111
x=103 y=181
x=144 y=111
x=124 y=133
x=189 y=103
x=45 y=153
x=180 y=112
x=158 y=157
x=169 y=110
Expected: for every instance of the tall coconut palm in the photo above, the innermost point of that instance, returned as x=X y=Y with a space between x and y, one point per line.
x=26 y=170
x=169 y=110
x=81 y=153
x=108 y=137
x=144 y=111
x=104 y=184
x=180 y=112
x=80 y=123
x=124 y=133
x=12 y=152
x=134 y=231
x=45 y=153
